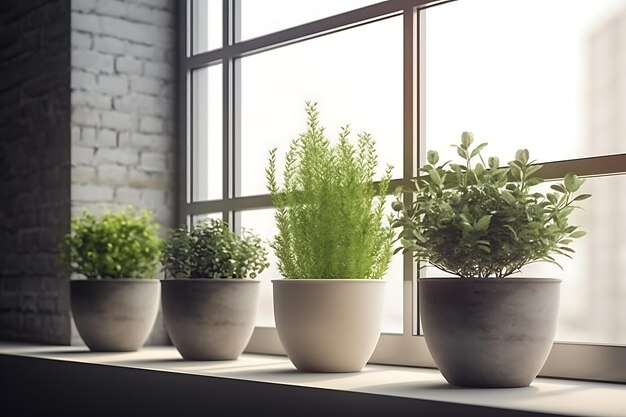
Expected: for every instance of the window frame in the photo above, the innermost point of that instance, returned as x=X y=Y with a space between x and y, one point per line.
x=592 y=361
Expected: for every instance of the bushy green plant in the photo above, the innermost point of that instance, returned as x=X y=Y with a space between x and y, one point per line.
x=482 y=220
x=329 y=212
x=121 y=244
x=212 y=250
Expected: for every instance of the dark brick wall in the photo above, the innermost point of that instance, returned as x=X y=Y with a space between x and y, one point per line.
x=87 y=119
x=34 y=168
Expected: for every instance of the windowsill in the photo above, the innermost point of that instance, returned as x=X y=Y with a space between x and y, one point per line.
x=283 y=390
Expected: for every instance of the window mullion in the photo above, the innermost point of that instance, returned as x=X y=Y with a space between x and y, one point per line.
x=410 y=155
x=229 y=147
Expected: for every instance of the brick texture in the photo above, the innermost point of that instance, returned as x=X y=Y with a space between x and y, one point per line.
x=123 y=105
x=35 y=145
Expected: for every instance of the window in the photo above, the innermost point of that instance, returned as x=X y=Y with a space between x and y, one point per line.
x=415 y=73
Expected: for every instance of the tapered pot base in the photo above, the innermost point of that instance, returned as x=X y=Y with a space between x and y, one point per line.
x=115 y=315
x=328 y=325
x=494 y=333
x=210 y=319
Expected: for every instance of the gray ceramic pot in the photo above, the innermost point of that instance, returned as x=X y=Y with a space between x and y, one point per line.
x=115 y=315
x=489 y=332
x=328 y=325
x=210 y=319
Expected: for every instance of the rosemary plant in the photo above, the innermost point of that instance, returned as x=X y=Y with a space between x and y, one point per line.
x=330 y=214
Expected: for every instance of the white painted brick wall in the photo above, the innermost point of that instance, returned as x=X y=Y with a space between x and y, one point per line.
x=109 y=45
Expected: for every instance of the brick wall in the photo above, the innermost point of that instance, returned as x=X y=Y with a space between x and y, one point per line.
x=87 y=119
x=123 y=84
x=34 y=168
x=123 y=110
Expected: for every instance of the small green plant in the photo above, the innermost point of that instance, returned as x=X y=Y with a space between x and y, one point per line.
x=329 y=212
x=482 y=220
x=121 y=244
x=212 y=250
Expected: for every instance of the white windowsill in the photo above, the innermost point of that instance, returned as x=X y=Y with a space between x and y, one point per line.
x=550 y=396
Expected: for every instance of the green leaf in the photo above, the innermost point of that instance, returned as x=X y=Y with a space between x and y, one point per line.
x=533 y=169
x=434 y=175
x=508 y=197
x=572 y=182
x=516 y=171
x=494 y=162
x=581 y=197
x=484 y=248
x=522 y=156
x=531 y=182
x=558 y=187
x=467 y=138
x=483 y=223
x=477 y=150
x=432 y=157
x=578 y=234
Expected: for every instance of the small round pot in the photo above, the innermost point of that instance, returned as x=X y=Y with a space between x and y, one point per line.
x=328 y=325
x=489 y=332
x=210 y=319
x=114 y=315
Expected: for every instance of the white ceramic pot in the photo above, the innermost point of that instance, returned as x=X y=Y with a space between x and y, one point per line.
x=210 y=319
x=115 y=315
x=489 y=332
x=328 y=325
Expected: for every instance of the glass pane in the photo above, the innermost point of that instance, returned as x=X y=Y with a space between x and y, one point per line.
x=394 y=304
x=517 y=81
x=207 y=133
x=202 y=217
x=356 y=78
x=207 y=25
x=594 y=284
x=267 y=16
x=262 y=223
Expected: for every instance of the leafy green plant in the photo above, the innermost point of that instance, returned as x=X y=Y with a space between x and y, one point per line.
x=329 y=212
x=212 y=250
x=121 y=244
x=482 y=220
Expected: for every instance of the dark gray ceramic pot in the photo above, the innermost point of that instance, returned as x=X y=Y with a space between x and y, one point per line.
x=210 y=319
x=115 y=315
x=489 y=332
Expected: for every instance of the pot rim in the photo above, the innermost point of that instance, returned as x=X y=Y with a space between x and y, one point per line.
x=326 y=280
x=491 y=280
x=211 y=280
x=119 y=280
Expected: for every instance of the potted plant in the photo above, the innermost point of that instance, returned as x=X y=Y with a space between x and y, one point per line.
x=333 y=246
x=483 y=223
x=116 y=303
x=210 y=305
